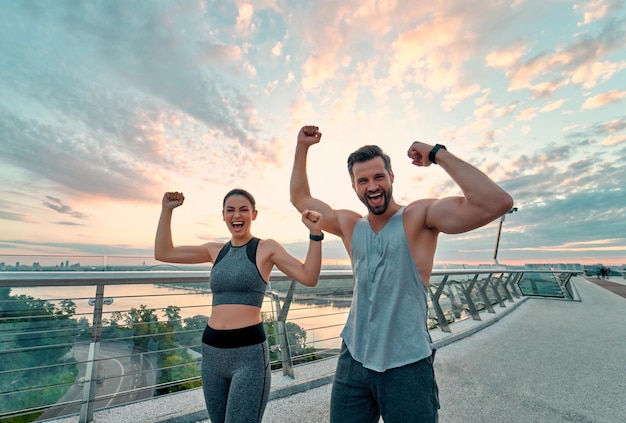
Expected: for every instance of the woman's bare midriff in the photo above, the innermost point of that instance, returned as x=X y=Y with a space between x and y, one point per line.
x=234 y=316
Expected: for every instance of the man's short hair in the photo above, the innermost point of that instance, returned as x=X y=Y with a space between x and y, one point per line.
x=367 y=153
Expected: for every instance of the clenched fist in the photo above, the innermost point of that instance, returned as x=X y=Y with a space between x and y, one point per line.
x=313 y=220
x=171 y=200
x=309 y=135
x=418 y=152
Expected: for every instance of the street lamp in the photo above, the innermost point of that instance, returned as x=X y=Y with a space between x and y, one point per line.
x=495 y=251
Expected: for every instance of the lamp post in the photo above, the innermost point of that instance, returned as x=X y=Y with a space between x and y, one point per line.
x=495 y=251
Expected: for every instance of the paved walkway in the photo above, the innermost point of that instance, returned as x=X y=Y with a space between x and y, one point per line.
x=549 y=361
x=618 y=288
x=546 y=361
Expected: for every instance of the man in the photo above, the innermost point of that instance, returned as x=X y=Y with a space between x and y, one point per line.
x=385 y=367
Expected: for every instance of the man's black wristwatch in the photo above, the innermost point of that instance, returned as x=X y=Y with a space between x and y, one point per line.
x=316 y=237
x=433 y=152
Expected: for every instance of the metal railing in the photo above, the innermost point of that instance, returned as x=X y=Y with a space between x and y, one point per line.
x=72 y=342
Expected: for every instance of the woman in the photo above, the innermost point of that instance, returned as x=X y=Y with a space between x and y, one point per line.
x=235 y=353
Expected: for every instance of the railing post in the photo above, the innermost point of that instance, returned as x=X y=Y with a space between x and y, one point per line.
x=565 y=285
x=281 y=327
x=443 y=323
x=483 y=293
x=505 y=287
x=89 y=388
x=510 y=281
x=516 y=282
x=468 y=297
x=494 y=288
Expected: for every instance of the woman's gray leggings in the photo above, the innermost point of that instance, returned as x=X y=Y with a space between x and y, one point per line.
x=236 y=382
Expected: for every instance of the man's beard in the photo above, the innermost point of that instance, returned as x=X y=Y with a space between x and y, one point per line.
x=377 y=210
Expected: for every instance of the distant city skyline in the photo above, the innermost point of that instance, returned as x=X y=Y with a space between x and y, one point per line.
x=105 y=105
x=122 y=263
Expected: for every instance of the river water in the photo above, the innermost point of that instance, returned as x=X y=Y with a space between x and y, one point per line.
x=322 y=321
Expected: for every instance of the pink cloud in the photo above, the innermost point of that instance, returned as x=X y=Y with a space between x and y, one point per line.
x=431 y=55
x=594 y=10
x=589 y=74
x=547 y=88
x=484 y=111
x=503 y=111
x=527 y=114
x=301 y=110
x=554 y=105
x=613 y=126
x=459 y=94
x=574 y=63
x=244 y=18
x=317 y=70
x=614 y=140
x=505 y=58
x=603 y=99
x=537 y=67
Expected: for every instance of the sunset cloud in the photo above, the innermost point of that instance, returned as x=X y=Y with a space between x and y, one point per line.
x=506 y=59
x=614 y=140
x=527 y=114
x=58 y=206
x=553 y=105
x=590 y=74
x=595 y=10
x=603 y=99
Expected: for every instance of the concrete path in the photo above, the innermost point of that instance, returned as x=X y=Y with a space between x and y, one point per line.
x=616 y=286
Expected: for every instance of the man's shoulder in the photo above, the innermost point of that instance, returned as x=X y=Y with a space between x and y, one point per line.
x=347 y=220
x=421 y=203
x=348 y=215
x=414 y=216
x=418 y=207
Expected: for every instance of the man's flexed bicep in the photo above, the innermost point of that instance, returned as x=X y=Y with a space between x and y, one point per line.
x=454 y=215
x=482 y=202
x=299 y=190
x=336 y=222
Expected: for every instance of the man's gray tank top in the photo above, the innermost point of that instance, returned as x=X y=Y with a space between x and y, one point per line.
x=387 y=324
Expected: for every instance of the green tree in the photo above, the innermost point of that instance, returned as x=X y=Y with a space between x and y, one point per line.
x=35 y=337
x=144 y=324
x=173 y=317
x=191 y=334
x=180 y=371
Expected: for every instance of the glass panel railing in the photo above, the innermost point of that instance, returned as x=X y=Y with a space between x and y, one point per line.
x=543 y=285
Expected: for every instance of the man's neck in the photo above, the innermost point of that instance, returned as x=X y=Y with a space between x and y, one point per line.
x=378 y=221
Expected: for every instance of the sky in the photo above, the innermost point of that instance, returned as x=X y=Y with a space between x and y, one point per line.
x=105 y=105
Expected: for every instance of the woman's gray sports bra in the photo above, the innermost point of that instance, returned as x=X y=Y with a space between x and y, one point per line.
x=235 y=278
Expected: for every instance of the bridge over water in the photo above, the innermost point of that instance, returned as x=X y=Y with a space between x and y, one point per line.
x=538 y=360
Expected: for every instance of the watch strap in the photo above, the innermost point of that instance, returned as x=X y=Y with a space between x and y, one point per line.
x=433 y=152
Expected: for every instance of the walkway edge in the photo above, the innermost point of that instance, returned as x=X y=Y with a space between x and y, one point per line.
x=484 y=324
